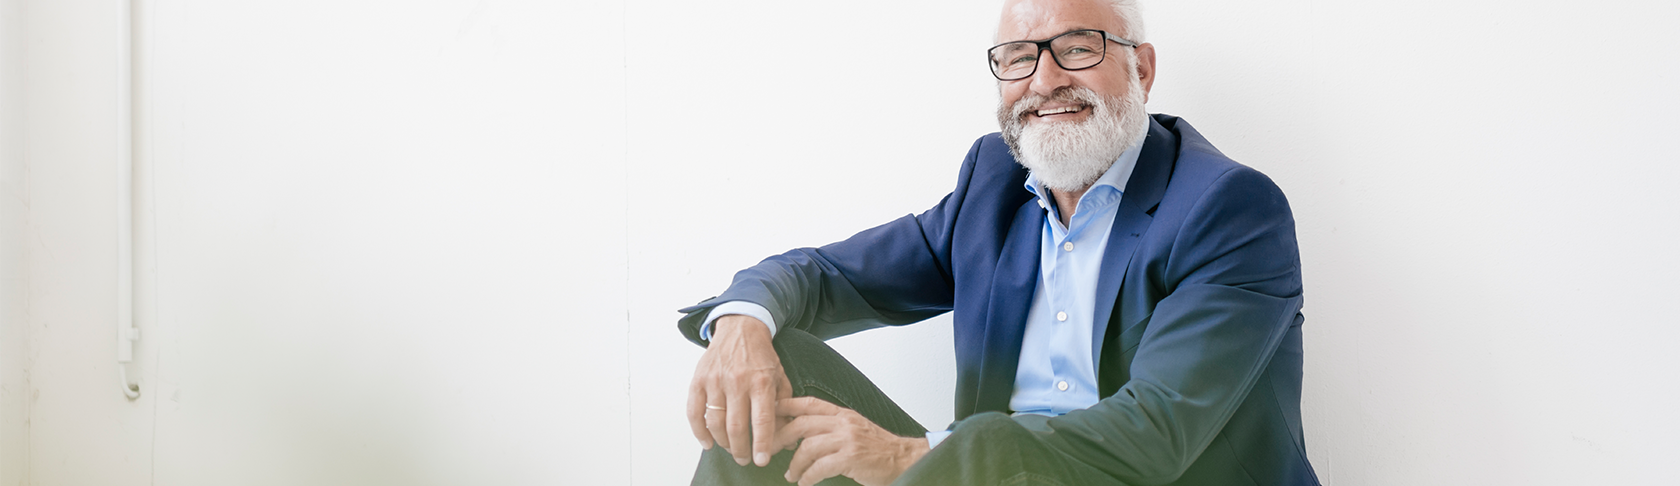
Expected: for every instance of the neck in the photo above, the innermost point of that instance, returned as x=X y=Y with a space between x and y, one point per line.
x=1066 y=202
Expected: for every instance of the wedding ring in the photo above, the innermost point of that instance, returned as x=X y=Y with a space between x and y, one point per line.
x=713 y=407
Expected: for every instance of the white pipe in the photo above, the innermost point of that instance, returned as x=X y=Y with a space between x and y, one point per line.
x=126 y=332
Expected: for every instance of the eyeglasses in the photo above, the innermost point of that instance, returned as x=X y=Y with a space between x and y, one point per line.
x=1073 y=51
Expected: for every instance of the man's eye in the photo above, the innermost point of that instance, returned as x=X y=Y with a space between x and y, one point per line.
x=1023 y=60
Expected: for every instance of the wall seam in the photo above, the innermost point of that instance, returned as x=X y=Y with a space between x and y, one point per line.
x=629 y=328
x=27 y=185
x=142 y=23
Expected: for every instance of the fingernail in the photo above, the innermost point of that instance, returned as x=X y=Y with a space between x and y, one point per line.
x=705 y=445
x=761 y=459
x=741 y=461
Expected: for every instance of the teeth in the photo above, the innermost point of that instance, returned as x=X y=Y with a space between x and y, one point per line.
x=1065 y=109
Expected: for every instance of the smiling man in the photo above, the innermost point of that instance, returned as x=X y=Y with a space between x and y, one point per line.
x=1126 y=301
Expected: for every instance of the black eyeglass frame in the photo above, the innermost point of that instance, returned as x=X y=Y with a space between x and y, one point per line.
x=1044 y=45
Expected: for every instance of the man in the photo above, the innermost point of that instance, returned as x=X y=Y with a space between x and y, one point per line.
x=1125 y=301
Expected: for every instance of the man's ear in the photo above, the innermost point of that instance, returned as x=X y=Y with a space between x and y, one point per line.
x=1146 y=67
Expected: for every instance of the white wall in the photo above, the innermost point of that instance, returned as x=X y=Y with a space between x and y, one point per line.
x=443 y=242
x=389 y=249
x=81 y=429
x=1484 y=191
x=14 y=389
x=367 y=263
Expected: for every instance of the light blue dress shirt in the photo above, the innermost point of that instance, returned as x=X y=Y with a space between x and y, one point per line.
x=1057 y=371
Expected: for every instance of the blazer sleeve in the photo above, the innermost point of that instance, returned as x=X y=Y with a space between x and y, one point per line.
x=893 y=274
x=1234 y=290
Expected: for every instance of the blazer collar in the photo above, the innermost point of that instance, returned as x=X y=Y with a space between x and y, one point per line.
x=1137 y=208
x=1149 y=179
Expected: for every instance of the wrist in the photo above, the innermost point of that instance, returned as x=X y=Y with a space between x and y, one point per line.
x=736 y=325
x=911 y=449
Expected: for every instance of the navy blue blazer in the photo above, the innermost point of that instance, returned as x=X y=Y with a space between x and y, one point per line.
x=1198 y=334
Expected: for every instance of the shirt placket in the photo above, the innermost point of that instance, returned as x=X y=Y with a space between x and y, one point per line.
x=1061 y=297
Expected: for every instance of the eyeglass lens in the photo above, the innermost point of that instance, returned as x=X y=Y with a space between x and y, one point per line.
x=1073 y=50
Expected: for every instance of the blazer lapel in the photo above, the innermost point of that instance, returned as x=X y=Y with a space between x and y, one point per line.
x=1137 y=208
x=1011 y=295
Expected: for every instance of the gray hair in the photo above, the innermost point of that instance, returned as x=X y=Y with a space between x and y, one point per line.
x=1131 y=16
x=1131 y=19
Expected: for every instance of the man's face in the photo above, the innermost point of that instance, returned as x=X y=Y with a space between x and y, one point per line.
x=1043 y=19
x=1068 y=127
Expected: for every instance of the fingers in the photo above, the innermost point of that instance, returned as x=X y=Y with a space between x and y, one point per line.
x=788 y=436
x=829 y=466
x=796 y=407
x=739 y=420
x=810 y=416
x=732 y=401
x=763 y=425
x=716 y=429
x=813 y=450
x=697 y=414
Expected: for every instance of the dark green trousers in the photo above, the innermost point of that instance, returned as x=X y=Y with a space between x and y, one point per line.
x=985 y=449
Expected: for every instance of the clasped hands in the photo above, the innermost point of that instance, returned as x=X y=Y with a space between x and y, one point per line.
x=740 y=390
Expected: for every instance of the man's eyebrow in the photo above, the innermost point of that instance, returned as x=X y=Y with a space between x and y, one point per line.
x=1053 y=35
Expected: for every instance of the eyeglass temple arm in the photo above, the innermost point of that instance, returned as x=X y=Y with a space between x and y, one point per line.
x=1119 y=40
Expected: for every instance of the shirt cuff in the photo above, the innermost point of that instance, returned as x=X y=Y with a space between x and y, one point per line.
x=737 y=307
x=936 y=436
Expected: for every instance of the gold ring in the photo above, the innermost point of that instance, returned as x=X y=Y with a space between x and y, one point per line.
x=713 y=407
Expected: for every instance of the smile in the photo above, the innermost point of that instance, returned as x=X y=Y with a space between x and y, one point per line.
x=1058 y=111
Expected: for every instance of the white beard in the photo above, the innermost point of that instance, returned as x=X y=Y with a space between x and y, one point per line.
x=1067 y=156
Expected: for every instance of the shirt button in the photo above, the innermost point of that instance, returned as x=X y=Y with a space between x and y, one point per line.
x=1061 y=316
x=1061 y=385
x=1067 y=246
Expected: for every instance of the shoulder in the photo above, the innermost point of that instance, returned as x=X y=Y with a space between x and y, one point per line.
x=991 y=154
x=1214 y=205
x=1204 y=176
x=1225 y=222
x=990 y=168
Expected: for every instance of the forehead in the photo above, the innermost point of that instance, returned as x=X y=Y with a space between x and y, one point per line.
x=1042 y=19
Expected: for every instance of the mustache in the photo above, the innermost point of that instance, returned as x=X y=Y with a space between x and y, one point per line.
x=1033 y=101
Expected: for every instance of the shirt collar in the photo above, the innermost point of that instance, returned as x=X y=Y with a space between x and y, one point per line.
x=1115 y=178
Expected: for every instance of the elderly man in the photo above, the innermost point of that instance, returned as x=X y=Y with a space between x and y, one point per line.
x=1126 y=301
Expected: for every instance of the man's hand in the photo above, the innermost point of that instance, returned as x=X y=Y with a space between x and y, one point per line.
x=839 y=442
x=735 y=388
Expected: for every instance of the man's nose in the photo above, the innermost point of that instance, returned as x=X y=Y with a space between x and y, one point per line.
x=1049 y=76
